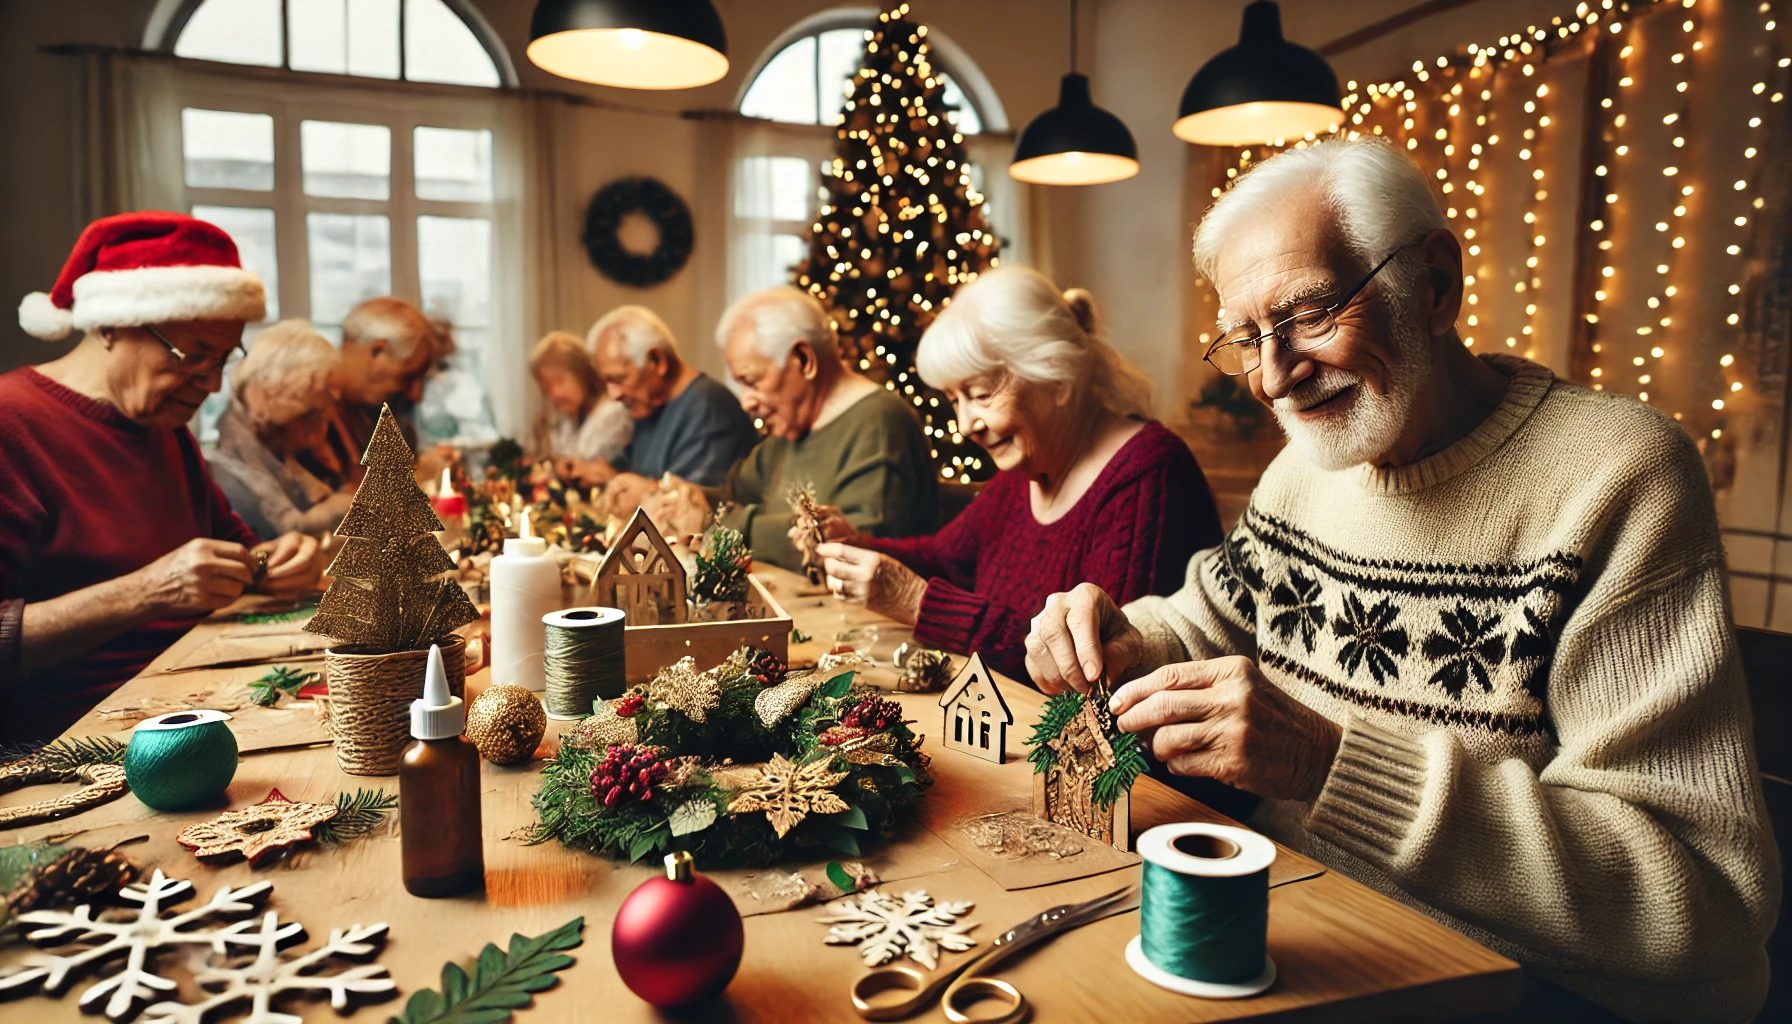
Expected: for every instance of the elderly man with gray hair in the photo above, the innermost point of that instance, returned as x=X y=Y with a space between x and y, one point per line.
x=279 y=407
x=389 y=348
x=686 y=423
x=1471 y=639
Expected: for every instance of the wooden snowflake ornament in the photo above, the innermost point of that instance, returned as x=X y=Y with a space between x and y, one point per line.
x=884 y=927
x=257 y=832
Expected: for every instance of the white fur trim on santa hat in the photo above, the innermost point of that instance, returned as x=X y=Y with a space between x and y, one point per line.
x=153 y=295
x=44 y=319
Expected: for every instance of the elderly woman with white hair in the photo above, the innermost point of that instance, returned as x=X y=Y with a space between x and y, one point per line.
x=114 y=539
x=860 y=446
x=582 y=430
x=1090 y=487
x=279 y=407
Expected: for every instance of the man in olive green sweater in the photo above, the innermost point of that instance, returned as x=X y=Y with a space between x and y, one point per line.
x=1471 y=641
x=858 y=444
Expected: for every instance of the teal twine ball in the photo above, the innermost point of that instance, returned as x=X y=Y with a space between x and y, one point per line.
x=182 y=760
x=1205 y=929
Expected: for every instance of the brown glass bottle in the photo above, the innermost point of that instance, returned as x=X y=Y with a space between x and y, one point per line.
x=438 y=813
x=438 y=794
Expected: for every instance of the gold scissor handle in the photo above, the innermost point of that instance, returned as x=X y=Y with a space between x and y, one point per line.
x=892 y=979
x=966 y=992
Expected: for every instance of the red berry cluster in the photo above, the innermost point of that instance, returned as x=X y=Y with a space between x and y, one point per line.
x=768 y=667
x=628 y=772
x=630 y=705
x=872 y=713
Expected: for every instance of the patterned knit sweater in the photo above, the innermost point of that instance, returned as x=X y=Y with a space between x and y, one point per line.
x=1527 y=640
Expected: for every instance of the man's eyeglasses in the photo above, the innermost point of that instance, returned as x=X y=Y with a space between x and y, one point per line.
x=197 y=364
x=1240 y=350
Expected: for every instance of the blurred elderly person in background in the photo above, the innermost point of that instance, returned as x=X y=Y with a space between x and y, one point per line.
x=279 y=407
x=113 y=538
x=1090 y=488
x=1471 y=640
x=686 y=423
x=856 y=442
x=388 y=350
x=582 y=430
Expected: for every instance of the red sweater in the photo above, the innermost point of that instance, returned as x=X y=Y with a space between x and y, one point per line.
x=88 y=496
x=991 y=569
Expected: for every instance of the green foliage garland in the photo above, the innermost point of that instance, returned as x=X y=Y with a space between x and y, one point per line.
x=1129 y=756
x=688 y=807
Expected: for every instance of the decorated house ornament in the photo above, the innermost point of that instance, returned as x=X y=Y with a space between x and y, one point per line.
x=974 y=719
x=642 y=576
x=251 y=964
x=256 y=832
x=1084 y=769
x=886 y=927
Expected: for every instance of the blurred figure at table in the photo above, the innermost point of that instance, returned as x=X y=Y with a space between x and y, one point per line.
x=686 y=424
x=388 y=350
x=858 y=444
x=113 y=538
x=279 y=408
x=1090 y=489
x=582 y=430
x=1471 y=641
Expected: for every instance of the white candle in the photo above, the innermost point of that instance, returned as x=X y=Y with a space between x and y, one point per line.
x=525 y=585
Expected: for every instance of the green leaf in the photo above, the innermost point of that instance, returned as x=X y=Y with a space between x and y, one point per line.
x=852 y=817
x=694 y=815
x=501 y=983
x=839 y=686
x=357 y=814
x=642 y=845
x=838 y=875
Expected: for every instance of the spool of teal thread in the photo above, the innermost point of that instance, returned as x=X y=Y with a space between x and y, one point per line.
x=1204 y=911
x=181 y=760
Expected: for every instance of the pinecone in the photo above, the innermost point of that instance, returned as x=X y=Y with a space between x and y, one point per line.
x=768 y=667
x=78 y=876
x=872 y=713
x=628 y=772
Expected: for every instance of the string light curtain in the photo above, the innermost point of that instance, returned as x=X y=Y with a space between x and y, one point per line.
x=900 y=226
x=1606 y=173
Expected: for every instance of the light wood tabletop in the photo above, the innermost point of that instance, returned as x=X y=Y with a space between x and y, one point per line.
x=1344 y=951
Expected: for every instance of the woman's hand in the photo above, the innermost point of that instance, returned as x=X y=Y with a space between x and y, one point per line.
x=875 y=580
x=293 y=565
x=200 y=576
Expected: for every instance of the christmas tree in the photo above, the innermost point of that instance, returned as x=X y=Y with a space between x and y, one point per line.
x=390 y=591
x=901 y=227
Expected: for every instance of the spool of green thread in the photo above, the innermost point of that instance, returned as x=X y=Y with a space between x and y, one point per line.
x=1204 y=911
x=181 y=760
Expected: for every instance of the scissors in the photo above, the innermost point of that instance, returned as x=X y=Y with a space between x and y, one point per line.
x=959 y=982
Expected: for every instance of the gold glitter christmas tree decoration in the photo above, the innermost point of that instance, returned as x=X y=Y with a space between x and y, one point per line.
x=788 y=792
x=392 y=589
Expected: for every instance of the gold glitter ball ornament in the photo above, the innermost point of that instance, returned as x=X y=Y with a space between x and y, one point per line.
x=506 y=724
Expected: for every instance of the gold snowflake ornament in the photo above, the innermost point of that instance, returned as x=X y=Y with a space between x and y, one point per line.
x=682 y=688
x=788 y=792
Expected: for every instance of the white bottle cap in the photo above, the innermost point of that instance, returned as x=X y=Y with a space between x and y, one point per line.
x=438 y=715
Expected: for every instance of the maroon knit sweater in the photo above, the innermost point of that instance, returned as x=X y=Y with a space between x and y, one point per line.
x=990 y=570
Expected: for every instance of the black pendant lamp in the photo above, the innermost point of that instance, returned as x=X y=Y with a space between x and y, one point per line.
x=1075 y=142
x=1261 y=90
x=634 y=44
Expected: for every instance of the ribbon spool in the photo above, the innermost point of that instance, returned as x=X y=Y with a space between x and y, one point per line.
x=585 y=659
x=181 y=760
x=1204 y=912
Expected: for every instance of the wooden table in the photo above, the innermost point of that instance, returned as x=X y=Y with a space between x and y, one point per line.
x=1344 y=951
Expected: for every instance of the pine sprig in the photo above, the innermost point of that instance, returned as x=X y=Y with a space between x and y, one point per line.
x=722 y=567
x=357 y=814
x=1058 y=712
x=501 y=983
x=1129 y=764
x=280 y=680
x=67 y=754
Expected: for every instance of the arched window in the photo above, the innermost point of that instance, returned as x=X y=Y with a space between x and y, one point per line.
x=412 y=40
x=805 y=81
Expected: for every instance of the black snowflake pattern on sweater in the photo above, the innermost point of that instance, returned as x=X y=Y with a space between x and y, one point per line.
x=1467 y=650
x=1300 y=609
x=1371 y=640
x=1239 y=574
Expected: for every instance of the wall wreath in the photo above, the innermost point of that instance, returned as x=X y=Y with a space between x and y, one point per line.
x=662 y=207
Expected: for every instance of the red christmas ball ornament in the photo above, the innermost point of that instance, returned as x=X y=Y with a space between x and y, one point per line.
x=677 y=940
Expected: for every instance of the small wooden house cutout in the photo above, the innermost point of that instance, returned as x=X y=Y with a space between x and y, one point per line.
x=641 y=576
x=973 y=717
x=1064 y=793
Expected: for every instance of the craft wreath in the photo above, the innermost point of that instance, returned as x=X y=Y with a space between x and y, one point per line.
x=742 y=765
x=650 y=198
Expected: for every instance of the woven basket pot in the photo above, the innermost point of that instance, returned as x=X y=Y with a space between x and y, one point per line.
x=368 y=710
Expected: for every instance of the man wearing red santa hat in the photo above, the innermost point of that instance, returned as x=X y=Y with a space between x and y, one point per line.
x=113 y=538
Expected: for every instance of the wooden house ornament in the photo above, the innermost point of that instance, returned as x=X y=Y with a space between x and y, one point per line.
x=973 y=717
x=641 y=576
x=1064 y=793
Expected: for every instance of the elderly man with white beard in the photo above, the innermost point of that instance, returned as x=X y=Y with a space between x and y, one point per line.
x=1471 y=640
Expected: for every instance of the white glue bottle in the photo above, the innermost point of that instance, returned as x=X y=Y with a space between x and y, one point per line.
x=525 y=585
